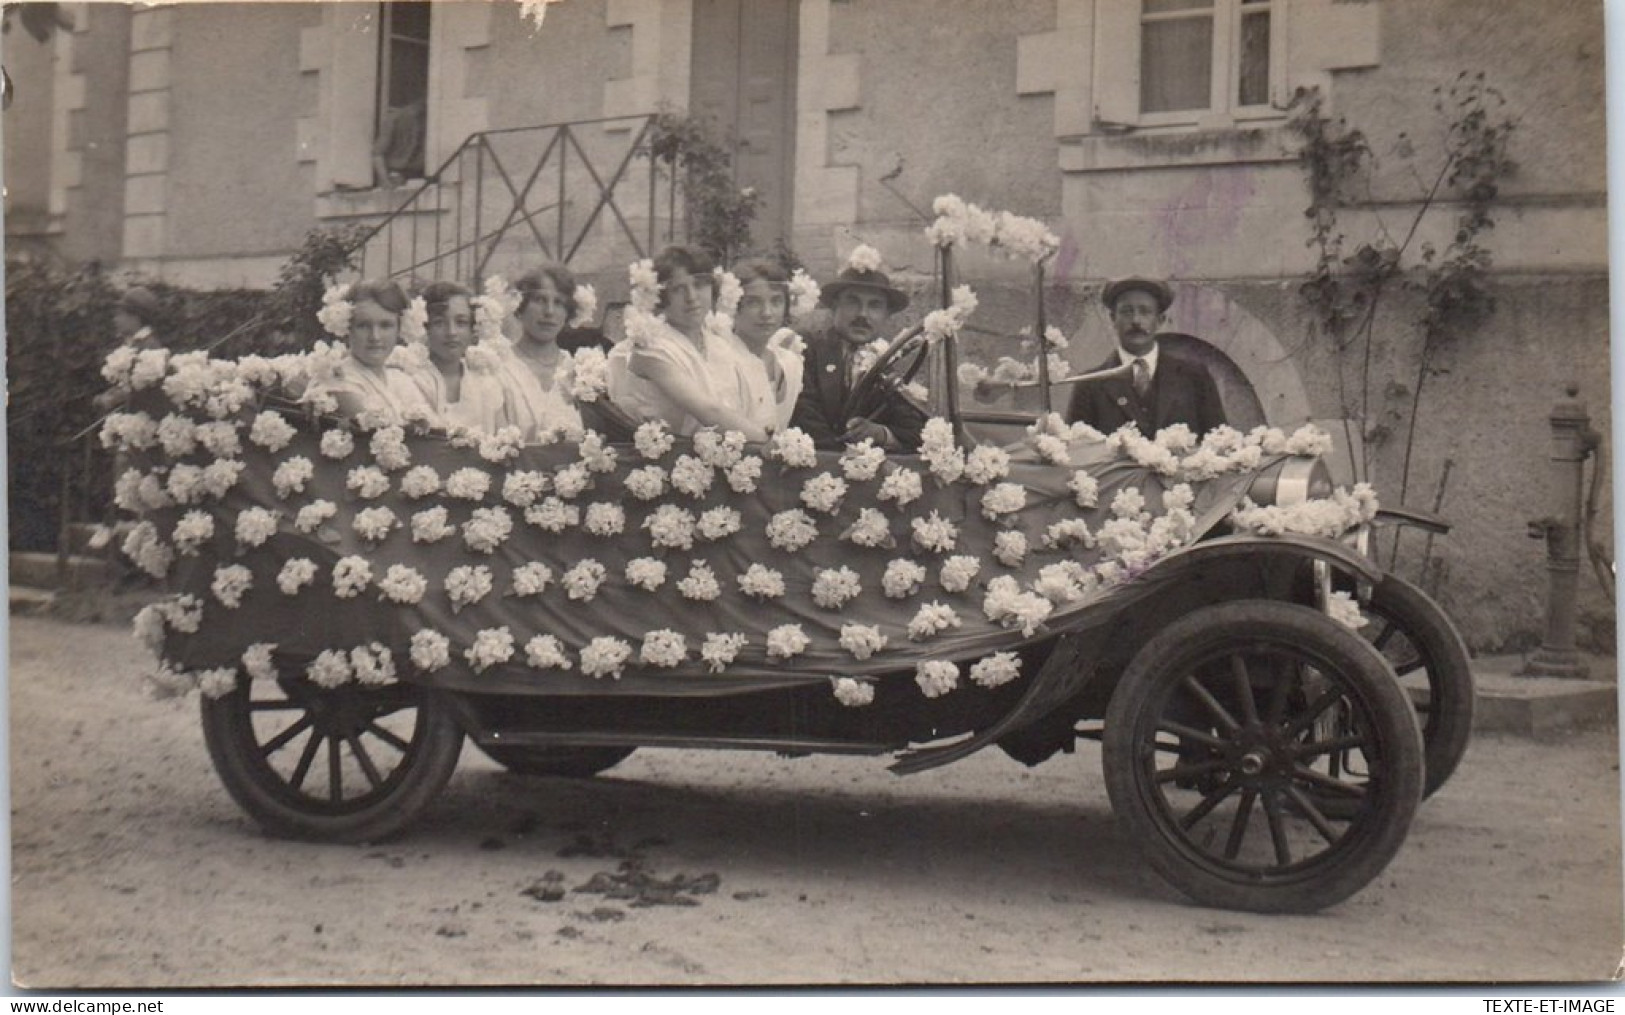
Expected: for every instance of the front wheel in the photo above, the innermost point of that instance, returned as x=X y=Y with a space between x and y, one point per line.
x=1226 y=733
x=346 y=764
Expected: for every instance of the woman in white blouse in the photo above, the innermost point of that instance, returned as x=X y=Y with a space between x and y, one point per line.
x=362 y=383
x=462 y=395
x=538 y=372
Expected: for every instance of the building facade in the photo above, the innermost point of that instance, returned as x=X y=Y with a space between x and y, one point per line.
x=200 y=142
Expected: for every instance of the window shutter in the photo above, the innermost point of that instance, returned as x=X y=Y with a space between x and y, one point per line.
x=1117 y=63
x=352 y=97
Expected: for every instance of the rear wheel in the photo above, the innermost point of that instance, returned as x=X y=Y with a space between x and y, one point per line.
x=1226 y=732
x=346 y=764
x=565 y=762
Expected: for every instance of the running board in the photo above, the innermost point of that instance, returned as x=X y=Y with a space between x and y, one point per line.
x=783 y=745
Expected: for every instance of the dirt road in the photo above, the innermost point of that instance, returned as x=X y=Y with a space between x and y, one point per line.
x=131 y=867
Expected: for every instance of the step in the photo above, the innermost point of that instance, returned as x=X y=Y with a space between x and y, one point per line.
x=26 y=599
x=1510 y=701
x=39 y=570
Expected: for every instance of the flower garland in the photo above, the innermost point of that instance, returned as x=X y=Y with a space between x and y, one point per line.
x=958 y=221
x=585 y=298
x=804 y=293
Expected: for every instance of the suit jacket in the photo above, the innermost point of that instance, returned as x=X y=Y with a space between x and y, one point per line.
x=1182 y=391
x=821 y=410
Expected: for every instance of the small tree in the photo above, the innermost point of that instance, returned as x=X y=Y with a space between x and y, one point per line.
x=717 y=213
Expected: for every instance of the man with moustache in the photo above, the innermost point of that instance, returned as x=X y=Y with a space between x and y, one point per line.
x=863 y=301
x=1153 y=388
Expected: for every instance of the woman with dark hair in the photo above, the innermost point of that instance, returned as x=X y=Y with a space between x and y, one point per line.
x=772 y=371
x=369 y=316
x=462 y=395
x=672 y=366
x=539 y=375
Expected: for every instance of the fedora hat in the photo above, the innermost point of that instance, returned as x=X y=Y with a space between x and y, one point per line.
x=1159 y=291
x=864 y=278
x=140 y=302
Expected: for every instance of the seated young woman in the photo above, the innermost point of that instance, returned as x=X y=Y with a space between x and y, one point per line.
x=671 y=366
x=772 y=372
x=537 y=372
x=461 y=395
x=362 y=383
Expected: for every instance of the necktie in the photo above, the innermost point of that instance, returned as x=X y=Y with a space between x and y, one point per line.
x=1142 y=377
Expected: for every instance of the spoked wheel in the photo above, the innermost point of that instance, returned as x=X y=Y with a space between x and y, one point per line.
x=348 y=764
x=565 y=762
x=894 y=368
x=1227 y=729
x=1416 y=638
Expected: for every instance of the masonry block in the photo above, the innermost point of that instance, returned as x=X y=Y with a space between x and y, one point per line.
x=143 y=236
x=149 y=112
x=149 y=70
x=146 y=195
x=151 y=29
x=147 y=153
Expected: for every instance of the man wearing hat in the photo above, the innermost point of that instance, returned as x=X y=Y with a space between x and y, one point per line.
x=1151 y=388
x=863 y=301
x=133 y=318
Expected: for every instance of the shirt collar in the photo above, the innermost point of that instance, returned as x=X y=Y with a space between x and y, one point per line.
x=1125 y=357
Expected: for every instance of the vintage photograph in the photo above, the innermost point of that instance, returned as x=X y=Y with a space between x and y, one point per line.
x=709 y=493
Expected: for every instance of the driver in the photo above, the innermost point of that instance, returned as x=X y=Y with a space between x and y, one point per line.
x=864 y=302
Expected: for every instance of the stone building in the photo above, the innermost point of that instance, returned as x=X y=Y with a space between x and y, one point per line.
x=200 y=142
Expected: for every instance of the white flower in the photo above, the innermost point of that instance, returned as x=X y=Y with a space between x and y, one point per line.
x=761 y=582
x=958 y=572
x=185 y=484
x=468 y=483
x=986 y=463
x=691 y=476
x=862 y=640
x=794 y=448
x=258 y=662
x=582 y=581
x=862 y=461
x=998 y=668
x=330 y=669
x=605 y=519
x=718 y=523
x=194 y=528
x=255 y=525
x=1007 y=604
x=430 y=650
x=936 y=677
x=804 y=293
x=337 y=444
x=374 y=524
x=230 y=583
x=700 y=583
x=129 y=430
x=292 y=475
x=670 y=527
x=932 y=618
x=721 y=649
x=154 y=497
x=1309 y=440
x=823 y=493
x=148 y=628
x=721 y=450
x=1010 y=548
x=935 y=534
x=402 y=584
x=1064 y=582
x=389 y=450
x=785 y=641
x=1069 y=533
x=177 y=435
x=373 y=665
x=553 y=515
x=589 y=374
x=367 y=481
x=183 y=613
x=652 y=440
x=902 y=578
x=1129 y=502
x=521 y=488
x=864 y=258
x=335 y=312
x=487 y=529
x=595 y=454
x=546 y=652
x=312 y=515
x=295 y=575
x=149 y=368
x=492 y=645
x=219 y=477
x=644 y=285
x=531 y=578
x=743 y=475
x=1085 y=490
x=853 y=693
x=468 y=584
x=646 y=573
x=571 y=481
x=646 y=483
x=791 y=530
x=1004 y=499
x=902 y=485
x=586 y=301
x=430 y=525
x=604 y=657
x=834 y=587
x=663 y=648
x=351 y=575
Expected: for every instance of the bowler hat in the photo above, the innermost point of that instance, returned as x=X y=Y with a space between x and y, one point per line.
x=140 y=302
x=865 y=278
x=1159 y=291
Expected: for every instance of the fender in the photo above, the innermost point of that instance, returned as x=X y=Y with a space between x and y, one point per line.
x=1329 y=551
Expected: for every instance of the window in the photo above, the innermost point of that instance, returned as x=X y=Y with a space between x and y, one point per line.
x=1203 y=56
x=403 y=92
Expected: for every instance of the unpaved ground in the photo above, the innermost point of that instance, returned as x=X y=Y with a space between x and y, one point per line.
x=131 y=867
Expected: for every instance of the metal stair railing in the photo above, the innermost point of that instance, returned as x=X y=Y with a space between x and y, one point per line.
x=514 y=195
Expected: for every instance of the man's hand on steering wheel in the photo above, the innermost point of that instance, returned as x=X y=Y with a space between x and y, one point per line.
x=859 y=429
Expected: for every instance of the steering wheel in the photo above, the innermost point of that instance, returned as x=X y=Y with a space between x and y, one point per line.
x=880 y=383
